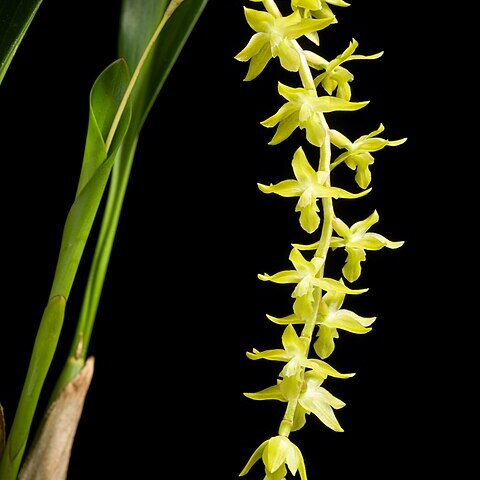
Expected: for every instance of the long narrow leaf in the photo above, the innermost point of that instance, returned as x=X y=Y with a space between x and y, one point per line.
x=15 y=18
x=97 y=164
x=105 y=98
x=137 y=24
x=139 y=20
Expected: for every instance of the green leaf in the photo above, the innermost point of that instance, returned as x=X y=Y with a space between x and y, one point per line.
x=138 y=22
x=15 y=18
x=105 y=99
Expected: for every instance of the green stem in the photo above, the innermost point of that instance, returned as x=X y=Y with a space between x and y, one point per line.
x=116 y=195
x=328 y=216
x=98 y=271
x=100 y=262
x=322 y=251
x=118 y=187
x=110 y=222
x=327 y=203
x=287 y=421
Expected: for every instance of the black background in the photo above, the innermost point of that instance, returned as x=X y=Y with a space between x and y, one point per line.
x=182 y=303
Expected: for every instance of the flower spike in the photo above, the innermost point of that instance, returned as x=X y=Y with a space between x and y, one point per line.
x=310 y=331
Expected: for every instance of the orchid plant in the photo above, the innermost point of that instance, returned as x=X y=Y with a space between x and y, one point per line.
x=311 y=328
x=151 y=36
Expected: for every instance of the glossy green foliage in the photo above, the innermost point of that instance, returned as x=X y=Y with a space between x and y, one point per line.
x=15 y=18
x=152 y=34
x=105 y=98
x=138 y=22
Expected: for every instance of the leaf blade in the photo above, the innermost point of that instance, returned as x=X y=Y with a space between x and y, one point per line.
x=96 y=168
x=15 y=18
x=189 y=12
x=166 y=51
x=76 y=232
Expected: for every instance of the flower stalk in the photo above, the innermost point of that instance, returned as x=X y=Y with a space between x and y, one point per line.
x=317 y=298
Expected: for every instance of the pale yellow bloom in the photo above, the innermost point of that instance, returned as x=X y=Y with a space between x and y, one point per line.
x=274 y=39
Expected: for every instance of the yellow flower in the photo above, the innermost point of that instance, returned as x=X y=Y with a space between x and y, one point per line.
x=336 y=77
x=356 y=240
x=358 y=156
x=309 y=186
x=277 y=453
x=317 y=9
x=312 y=398
x=294 y=354
x=305 y=109
x=331 y=318
x=306 y=276
x=274 y=39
